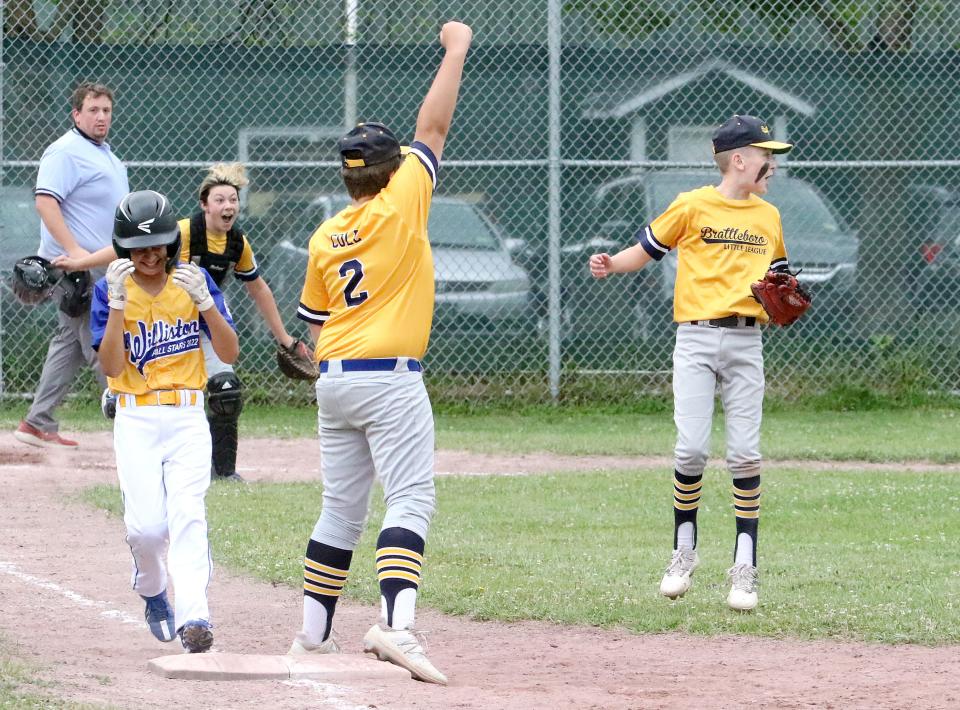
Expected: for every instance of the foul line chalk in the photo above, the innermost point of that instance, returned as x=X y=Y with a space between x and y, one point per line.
x=107 y=611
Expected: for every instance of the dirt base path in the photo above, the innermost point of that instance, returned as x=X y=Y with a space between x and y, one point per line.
x=64 y=575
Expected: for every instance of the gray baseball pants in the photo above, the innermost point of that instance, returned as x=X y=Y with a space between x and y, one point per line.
x=69 y=349
x=374 y=425
x=705 y=357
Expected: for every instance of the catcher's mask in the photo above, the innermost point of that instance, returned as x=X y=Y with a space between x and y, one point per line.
x=145 y=219
x=34 y=279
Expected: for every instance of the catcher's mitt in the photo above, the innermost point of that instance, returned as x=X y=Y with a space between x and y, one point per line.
x=296 y=362
x=782 y=296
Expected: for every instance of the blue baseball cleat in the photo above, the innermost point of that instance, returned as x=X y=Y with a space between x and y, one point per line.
x=159 y=617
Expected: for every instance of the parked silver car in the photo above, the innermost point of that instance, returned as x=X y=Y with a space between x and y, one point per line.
x=477 y=281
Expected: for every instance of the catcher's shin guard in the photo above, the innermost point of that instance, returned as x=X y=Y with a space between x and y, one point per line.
x=225 y=399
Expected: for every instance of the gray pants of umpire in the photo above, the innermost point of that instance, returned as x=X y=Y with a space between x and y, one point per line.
x=69 y=349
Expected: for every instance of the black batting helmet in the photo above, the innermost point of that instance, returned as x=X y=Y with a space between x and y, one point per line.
x=145 y=219
x=34 y=279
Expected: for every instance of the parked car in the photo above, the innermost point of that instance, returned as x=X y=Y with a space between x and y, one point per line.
x=641 y=304
x=20 y=223
x=935 y=211
x=478 y=283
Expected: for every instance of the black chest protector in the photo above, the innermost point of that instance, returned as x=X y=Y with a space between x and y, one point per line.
x=218 y=265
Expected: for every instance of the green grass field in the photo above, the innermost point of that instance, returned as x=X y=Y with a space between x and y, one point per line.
x=862 y=555
x=850 y=555
x=881 y=435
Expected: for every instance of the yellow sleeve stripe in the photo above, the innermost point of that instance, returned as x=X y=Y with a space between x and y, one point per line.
x=393 y=562
x=399 y=551
x=321 y=590
x=397 y=574
x=317 y=567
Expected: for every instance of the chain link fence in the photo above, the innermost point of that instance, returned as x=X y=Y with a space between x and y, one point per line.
x=578 y=122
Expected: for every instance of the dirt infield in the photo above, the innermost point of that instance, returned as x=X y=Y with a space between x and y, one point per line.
x=64 y=575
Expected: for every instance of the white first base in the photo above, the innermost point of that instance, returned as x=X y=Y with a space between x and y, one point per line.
x=330 y=668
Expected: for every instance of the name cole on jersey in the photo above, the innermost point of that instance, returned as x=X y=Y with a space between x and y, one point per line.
x=159 y=340
x=345 y=239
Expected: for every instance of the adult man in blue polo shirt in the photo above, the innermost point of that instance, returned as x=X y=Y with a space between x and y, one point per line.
x=79 y=185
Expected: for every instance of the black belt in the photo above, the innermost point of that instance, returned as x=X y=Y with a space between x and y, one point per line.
x=379 y=364
x=727 y=322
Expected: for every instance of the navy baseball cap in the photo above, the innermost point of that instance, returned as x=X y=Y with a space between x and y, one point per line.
x=741 y=131
x=368 y=144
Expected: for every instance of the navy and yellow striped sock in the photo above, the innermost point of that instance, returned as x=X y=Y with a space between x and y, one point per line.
x=746 y=506
x=325 y=571
x=686 y=501
x=399 y=558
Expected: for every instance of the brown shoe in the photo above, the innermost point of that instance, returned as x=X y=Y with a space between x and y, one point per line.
x=34 y=437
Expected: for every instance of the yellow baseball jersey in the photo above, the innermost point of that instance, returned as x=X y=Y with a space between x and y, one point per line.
x=723 y=246
x=161 y=336
x=245 y=269
x=369 y=279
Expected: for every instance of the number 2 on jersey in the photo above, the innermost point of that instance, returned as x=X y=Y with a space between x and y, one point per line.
x=350 y=294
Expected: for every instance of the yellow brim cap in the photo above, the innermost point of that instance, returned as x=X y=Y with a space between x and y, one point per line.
x=775 y=146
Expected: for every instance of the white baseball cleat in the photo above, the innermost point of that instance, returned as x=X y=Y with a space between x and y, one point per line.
x=743 y=589
x=402 y=647
x=676 y=580
x=301 y=646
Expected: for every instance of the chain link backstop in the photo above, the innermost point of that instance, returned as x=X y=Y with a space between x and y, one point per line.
x=578 y=122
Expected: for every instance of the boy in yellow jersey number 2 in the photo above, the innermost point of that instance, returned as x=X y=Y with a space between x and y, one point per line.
x=146 y=318
x=368 y=298
x=726 y=237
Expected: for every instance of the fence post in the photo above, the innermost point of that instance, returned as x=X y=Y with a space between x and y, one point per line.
x=553 y=192
x=3 y=129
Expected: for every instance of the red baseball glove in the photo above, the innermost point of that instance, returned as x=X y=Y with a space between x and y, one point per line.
x=782 y=296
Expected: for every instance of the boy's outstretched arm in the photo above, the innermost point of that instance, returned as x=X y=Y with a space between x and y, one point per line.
x=436 y=113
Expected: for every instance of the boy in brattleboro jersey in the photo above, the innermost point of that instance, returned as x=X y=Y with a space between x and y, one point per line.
x=726 y=237
x=147 y=317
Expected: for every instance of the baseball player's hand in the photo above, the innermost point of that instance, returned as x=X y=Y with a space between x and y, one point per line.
x=601 y=266
x=191 y=279
x=117 y=274
x=455 y=36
